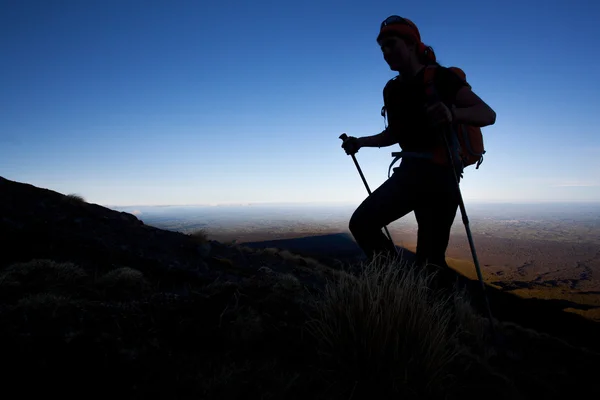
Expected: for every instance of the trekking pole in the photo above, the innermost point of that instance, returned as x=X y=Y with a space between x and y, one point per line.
x=343 y=136
x=465 y=220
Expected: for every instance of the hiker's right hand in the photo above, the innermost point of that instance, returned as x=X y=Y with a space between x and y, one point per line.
x=351 y=145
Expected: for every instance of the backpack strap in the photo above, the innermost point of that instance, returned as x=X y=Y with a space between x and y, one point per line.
x=386 y=88
x=432 y=96
x=431 y=93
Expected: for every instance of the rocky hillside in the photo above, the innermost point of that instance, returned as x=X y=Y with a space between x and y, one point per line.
x=93 y=303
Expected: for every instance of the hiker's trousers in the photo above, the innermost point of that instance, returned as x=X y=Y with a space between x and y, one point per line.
x=417 y=185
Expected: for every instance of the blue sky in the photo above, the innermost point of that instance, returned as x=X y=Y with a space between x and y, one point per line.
x=203 y=102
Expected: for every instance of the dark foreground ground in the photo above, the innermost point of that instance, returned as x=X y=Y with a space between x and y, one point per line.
x=93 y=303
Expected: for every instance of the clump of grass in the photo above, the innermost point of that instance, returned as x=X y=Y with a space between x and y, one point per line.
x=44 y=315
x=288 y=282
x=123 y=282
x=472 y=328
x=383 y=330
x=285 y=283
x=43 y=301
x=288 y=255
x=74 y=198
x=271 y=251
x=200 y=236
x=40 y=275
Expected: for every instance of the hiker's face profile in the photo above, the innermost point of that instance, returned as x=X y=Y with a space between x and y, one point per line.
x=395 y=52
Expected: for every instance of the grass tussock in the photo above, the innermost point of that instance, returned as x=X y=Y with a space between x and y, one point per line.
x=200 y=236
x=471 y=327
x=271 y=251
x=46 y=303
x=123 y=281
x=385 y=331
x=289 y=282
x=38 y=276
x=74 y=198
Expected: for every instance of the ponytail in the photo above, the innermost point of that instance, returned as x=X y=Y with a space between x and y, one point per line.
x=426 y=54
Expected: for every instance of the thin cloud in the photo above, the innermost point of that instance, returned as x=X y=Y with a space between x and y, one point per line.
x=576 y=184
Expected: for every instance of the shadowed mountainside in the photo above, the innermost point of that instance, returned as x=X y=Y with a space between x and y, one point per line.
x=337 y=249
x=94 y=303
x=340 y=246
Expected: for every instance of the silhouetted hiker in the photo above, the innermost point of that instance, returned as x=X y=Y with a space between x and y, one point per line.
x=424 y=182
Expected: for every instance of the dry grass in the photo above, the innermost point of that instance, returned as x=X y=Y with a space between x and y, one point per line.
x=269 y=250
x=74 y=198
x=200 y=236
x=385 y=330
x=379 y=331
x=123 y=281
x=38 y=276
x=472 y=327
x=288 y=282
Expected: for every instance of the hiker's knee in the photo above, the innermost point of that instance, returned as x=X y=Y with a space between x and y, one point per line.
x=358 y=222
x=355 y=223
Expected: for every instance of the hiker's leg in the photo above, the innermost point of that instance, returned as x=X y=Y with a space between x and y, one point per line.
x=435 y=215
x=392 y=200
x=435 y=222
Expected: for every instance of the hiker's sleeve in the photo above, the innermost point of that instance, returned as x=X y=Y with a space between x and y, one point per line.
x=449 y=84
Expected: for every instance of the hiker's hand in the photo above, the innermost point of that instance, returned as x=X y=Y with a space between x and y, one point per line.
x=439 y=114
x=351 y=145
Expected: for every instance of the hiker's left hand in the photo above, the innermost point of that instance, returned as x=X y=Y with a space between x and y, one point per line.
x=439 y=114
x=351 y=145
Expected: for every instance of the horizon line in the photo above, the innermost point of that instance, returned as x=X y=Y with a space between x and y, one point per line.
x=248 y=204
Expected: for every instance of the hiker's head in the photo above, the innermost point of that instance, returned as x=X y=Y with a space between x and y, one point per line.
x=401 y=44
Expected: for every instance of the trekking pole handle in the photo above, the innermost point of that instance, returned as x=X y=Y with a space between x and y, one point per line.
x=343 y=136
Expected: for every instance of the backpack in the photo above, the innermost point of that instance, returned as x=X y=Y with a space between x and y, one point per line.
x=467 y=140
